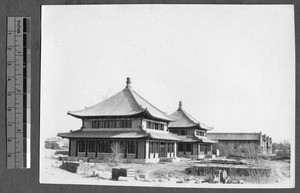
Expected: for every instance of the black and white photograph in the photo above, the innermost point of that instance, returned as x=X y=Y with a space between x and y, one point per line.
x=176 y=95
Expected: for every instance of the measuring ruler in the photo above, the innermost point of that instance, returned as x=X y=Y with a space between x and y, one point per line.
x=18 y=84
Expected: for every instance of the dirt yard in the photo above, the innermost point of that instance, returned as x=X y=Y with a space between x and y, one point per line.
x=164 y=174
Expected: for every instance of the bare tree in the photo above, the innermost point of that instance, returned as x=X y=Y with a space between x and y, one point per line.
x=117 y=149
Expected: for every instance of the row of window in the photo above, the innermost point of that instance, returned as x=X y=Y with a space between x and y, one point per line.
x=112 y=124
x=200 y=133
x=105 y=146
x=156 y=147
x=188 y=147
x=156 y=126
x=184 y=132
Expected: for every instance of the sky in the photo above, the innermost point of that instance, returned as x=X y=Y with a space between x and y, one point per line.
x=232 y=66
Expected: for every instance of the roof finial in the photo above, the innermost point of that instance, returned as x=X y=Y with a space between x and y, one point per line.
x=128 y=82
x=180 y=105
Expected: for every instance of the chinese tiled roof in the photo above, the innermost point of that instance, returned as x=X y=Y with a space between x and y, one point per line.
x=234 y=136
x=163 y=135
x=185 y=120
x=192 y=138
x=124 y=103
x=160 y=135
x=104 y=134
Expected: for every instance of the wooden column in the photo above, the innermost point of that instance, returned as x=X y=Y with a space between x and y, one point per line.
x=96 y=149
x=125 y=148
x=136 y=149
x=69 y=147
x=145 y=149
x=76 y=149
x=159 y=149
x=86 y=146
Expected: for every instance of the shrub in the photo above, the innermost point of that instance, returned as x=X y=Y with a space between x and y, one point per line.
x=61 y=152
x=282 y=149
x=246 y=151
x=69 y=166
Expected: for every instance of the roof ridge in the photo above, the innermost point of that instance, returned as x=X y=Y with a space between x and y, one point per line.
x=150 y=103
x=188 y=116
x=130 y=91
x=200 y=123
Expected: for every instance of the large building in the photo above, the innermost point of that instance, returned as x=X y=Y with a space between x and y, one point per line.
x=194 y=141
x=236 y=140
x=126 y=119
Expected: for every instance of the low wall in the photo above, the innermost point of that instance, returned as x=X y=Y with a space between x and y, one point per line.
x=239 y=171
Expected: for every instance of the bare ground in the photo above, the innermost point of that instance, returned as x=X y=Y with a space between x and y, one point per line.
x=51 y=173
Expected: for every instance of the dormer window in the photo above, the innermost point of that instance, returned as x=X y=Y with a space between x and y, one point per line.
x=200 y=133
x=154 y=125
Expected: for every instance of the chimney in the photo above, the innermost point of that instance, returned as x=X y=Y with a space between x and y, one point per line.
x=128 y=83
x=180 y=105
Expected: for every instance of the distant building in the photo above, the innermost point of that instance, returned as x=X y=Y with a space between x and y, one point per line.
x=194 y=141
x=130 y=120
x=264 y=142
x=56 y=143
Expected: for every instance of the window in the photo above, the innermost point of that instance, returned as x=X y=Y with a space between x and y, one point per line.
x=112 y=124
x=100 y=124
x=104 y=146
x=81 y=146
x=168 y=147
x=201 y=147
x=153 y=125
x=94 y=124
x=129 y=123
x=149 y=124
x=208 y=147
x=156 y=147
x=188 y=147
x=182 y=132
x=200 y=133
x=118 y=124
x=92 y=146
x=106 y=124
x=172 y=147
x=180 y=147
x=151 y=147
x=131 y=147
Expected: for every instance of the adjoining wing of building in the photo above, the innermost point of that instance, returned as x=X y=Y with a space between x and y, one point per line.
x=127 y=118
x=237 y=139
x=194 y=143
